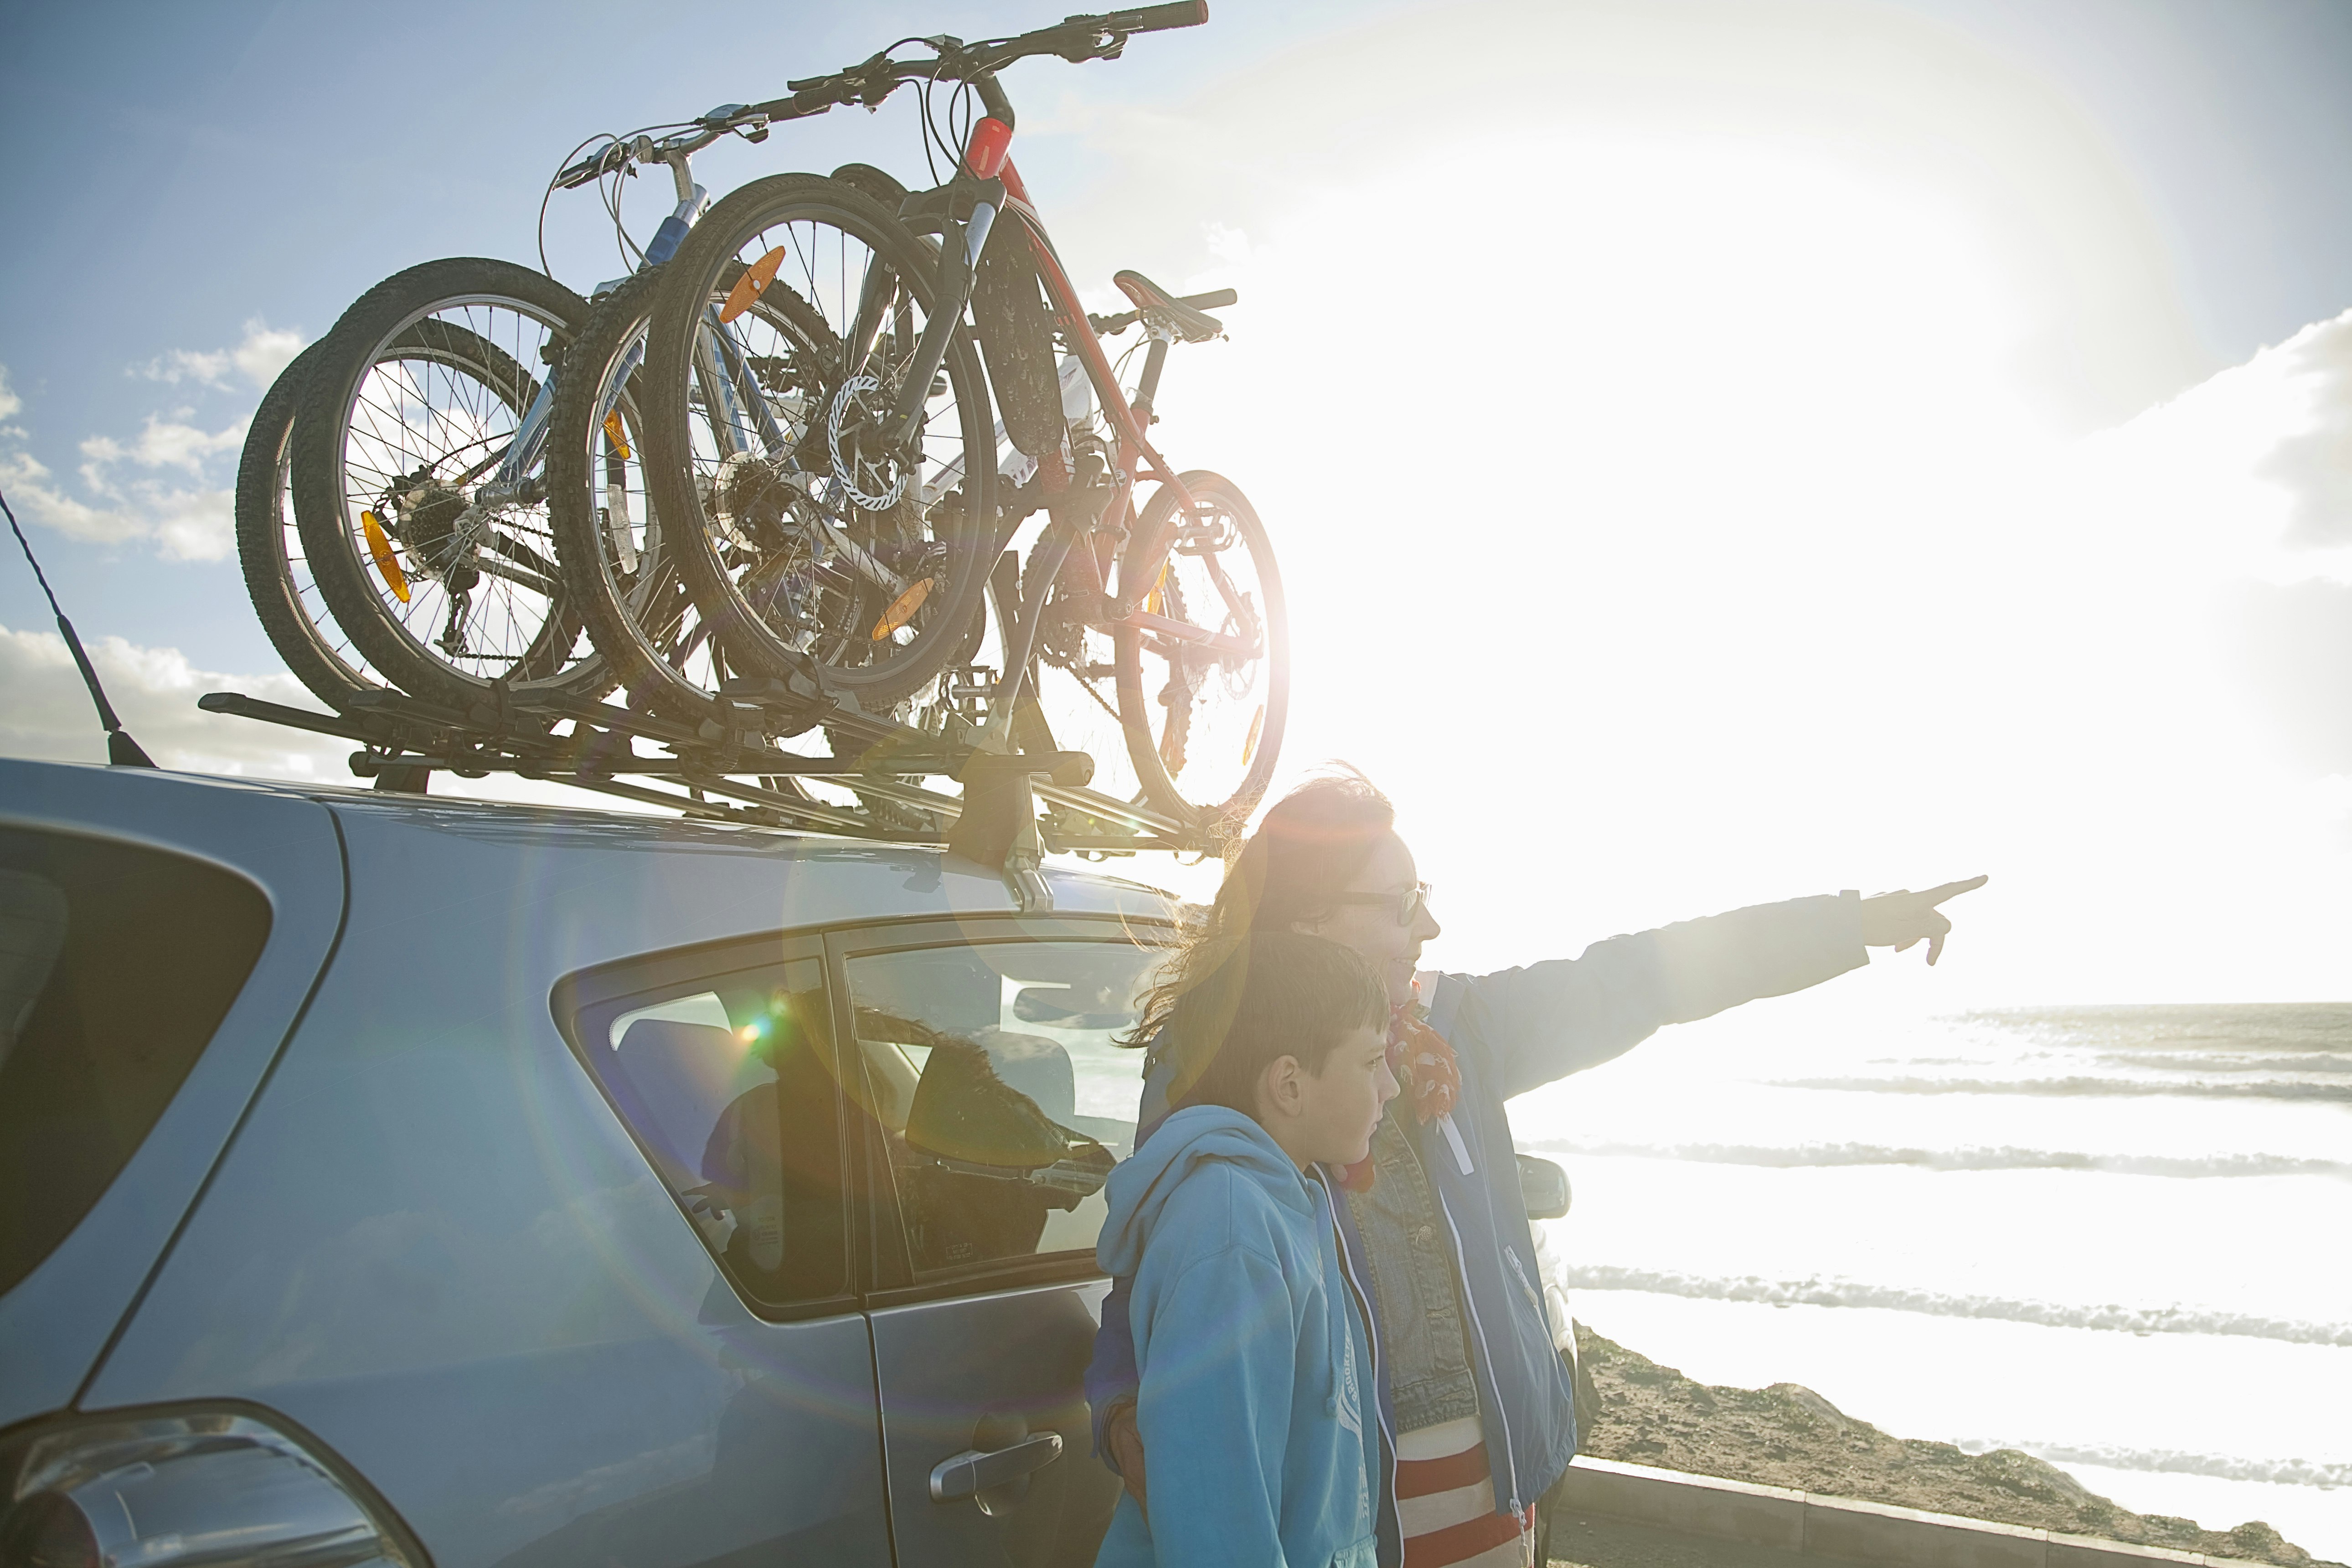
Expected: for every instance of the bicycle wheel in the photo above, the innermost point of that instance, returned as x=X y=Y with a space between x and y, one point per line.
x=434 y=553
x=617 y=557
x=278 y=575
x=1204 y=669
x=802 y=543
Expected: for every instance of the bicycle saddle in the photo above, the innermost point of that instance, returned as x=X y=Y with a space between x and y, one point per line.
x=1156 y=303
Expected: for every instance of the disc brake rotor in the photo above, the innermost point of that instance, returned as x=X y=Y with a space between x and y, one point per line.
x=851 y=415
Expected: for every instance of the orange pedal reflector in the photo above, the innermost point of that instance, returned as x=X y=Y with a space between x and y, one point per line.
x=748 y=288
x=380 y=546
x=613 y=433
x=903 y=611
x=1154 y=602
x=1257 y=727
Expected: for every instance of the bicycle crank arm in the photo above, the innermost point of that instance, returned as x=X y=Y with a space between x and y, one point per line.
x=1186 y=632
x=873 y=571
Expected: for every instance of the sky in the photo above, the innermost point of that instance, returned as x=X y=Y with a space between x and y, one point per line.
x=1718 y=451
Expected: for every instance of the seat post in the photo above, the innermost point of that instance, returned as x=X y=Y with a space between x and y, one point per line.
x=1155 y=360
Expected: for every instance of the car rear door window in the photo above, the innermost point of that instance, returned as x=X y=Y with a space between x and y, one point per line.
x=997 y=1072
x=728 y=1082
x=117 y=963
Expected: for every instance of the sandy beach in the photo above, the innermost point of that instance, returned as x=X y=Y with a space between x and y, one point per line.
x=1788 y=1436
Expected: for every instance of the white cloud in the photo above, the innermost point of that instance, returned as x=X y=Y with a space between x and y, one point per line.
x=185 y=523
x=163 y=443
x=2315 y=464
x=258 y=356
x=47 y=716
x=155 y=689
x=171 y=485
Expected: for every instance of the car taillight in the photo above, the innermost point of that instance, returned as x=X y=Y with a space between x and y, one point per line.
x=188 y=1488
x=984 y=153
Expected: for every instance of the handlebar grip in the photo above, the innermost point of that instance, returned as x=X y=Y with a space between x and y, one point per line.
x=1215 y=301
x=588 y=169
x=1154 y=19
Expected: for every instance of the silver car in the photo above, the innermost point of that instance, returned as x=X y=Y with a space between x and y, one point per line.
x=391 y=1179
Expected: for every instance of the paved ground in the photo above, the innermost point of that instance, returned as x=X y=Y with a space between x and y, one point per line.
x=1595 y=1543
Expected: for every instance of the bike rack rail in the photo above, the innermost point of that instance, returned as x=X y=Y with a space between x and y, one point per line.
x=744 y=776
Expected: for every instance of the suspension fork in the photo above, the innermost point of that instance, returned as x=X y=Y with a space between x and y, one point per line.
x=960 y=254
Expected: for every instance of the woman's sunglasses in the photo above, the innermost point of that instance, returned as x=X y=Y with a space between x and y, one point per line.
x=1409 y=903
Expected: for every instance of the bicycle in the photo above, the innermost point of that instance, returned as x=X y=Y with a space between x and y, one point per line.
x=817 y=439
x=409 y=445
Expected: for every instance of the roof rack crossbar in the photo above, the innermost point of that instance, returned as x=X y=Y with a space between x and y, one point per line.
x=1014 y=805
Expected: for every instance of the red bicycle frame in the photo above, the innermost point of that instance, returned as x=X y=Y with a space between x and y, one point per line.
x=1135 y=447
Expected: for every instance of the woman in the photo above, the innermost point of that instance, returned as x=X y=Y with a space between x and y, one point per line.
x=1474 y=1404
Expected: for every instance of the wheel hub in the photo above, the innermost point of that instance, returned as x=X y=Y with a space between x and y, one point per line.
x=433 y=518
x=756 y=502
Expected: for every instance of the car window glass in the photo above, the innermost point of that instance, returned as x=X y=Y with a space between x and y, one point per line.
x=729 y=1088
x=117 y=963
x=996 y=1073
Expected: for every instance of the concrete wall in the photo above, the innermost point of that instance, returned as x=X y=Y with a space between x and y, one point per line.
x=1838 y=1526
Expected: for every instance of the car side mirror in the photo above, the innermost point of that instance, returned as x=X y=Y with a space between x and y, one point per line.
x=1543 y=1188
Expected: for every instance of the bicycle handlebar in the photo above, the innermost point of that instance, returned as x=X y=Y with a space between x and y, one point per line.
x=1075 y=38
x=621 y=151
x=1152 y=18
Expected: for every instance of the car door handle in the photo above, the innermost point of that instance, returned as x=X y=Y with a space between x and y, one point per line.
x=976 y=1470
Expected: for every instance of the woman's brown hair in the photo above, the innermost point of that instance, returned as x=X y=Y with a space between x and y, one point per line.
x=1312 y=843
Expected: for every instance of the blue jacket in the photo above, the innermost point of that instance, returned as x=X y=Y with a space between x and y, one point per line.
x=1511 y=1031
x=1252 y=1355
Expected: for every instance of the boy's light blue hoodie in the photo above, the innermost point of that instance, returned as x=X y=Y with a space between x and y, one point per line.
x=1251 y=1353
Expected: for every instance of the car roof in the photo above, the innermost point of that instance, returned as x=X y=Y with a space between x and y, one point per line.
x=555 y=827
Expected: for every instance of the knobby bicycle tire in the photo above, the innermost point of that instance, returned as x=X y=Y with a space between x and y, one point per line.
x=399 y=314
x=635 y=615
x=324 y=664
x=1148 y=550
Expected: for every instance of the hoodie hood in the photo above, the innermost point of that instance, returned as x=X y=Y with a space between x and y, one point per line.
x=1138 y=1189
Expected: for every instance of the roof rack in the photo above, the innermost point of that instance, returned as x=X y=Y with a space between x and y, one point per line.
x=743 y=775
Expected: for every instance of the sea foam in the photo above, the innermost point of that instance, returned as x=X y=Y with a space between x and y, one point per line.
x=1818 y=1291
x=2337 y=1093
x=1964 y=1159
x=2172 y=1461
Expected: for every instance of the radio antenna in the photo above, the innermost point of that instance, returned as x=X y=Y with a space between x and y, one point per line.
x=122 y=751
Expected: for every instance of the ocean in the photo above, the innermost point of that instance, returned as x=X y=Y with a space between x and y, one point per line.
x=2119 y=1237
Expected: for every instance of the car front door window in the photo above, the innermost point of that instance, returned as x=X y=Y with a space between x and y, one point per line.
x=1007 y=1095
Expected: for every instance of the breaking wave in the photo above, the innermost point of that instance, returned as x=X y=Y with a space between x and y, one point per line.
x=2170 y=1461
x=2336 y=1093
x=2212 y=1061
x=1819 y=1292
x=2001 y=1159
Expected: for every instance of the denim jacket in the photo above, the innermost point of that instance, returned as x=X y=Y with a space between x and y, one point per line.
x=1440 y=1245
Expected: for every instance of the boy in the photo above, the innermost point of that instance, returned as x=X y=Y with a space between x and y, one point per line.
x=1251 y=1347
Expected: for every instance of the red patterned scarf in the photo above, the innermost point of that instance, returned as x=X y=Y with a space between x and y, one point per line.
x=1424 y=1067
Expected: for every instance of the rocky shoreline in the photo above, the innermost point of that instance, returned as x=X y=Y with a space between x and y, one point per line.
x=1787 y=1435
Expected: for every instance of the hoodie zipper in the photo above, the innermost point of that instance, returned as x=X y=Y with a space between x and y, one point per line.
x=1371 y=1333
